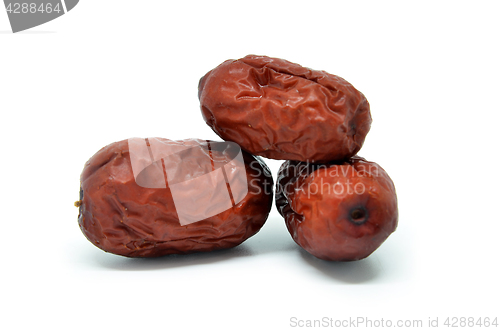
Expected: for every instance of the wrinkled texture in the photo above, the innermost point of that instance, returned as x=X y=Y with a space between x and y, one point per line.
x=281 y=110
x=339 y=211
x=121 y=217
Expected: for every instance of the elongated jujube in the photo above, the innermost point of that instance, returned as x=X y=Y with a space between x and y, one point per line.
x=281 y=110
x=153 y=197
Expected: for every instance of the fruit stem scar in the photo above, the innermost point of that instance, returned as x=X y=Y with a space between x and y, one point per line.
x=358 y=215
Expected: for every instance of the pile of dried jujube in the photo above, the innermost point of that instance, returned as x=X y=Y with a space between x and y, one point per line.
x=154 y=196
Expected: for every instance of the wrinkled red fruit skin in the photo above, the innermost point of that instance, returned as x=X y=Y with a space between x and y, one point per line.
x=123 y=218
x=318 y=213
x=281 y=110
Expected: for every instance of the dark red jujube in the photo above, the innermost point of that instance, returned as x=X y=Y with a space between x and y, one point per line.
x=122 y=217
x=339 y=211
x=281 y=110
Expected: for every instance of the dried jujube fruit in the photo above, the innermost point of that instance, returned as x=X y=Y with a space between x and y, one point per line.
x=153 y=197
x=281 y=110
x=341 y=211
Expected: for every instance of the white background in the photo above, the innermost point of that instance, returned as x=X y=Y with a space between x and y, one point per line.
x=110 y=70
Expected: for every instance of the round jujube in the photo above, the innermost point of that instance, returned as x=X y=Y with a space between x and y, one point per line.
x=339 y=211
